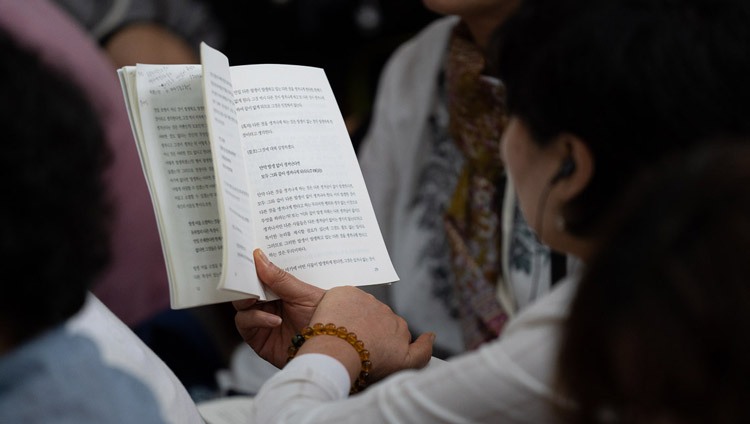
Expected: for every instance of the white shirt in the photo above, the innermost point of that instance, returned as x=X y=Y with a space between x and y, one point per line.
x=509 y=380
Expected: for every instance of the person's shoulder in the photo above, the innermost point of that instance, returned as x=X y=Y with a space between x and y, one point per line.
x=414 y=65
x=430 y=39
x=37 y=377
x=440 y=27
x=121 y=348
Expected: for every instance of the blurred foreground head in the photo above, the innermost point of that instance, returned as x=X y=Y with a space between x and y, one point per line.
x=54 y=237
x=635 y=80
x=658 y=332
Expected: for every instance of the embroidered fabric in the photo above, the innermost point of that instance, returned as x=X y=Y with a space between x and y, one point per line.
x=477 y=118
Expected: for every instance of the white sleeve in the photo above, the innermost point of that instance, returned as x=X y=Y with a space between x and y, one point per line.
x=508 y=381
x=304 y=383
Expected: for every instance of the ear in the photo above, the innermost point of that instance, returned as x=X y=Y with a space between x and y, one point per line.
x=571 y=147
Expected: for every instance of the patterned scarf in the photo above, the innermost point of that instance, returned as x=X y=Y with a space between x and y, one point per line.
x=477 y=118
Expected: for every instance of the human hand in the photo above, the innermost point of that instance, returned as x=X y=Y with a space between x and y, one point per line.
x=268 y=327
x=385 y=335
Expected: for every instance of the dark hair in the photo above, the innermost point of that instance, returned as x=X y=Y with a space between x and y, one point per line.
x=635 y=79
x=54 y=237
x=659 y=326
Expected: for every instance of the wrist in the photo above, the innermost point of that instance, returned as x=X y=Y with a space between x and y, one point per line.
x=331 y=344
x=336 y=348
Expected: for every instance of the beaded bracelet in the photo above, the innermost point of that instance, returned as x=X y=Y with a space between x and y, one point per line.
x=341 y=332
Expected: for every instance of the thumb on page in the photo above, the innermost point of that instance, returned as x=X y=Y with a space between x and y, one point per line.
x=283 y=284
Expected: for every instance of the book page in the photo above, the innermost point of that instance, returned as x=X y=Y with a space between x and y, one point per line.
x=233 y=189
x=175 y=152
x=311 y=209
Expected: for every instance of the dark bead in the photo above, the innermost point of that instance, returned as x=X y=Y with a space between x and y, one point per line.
x=298 y=340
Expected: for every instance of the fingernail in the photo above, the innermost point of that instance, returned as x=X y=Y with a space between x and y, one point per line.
x=263 y=258
x=274 y=320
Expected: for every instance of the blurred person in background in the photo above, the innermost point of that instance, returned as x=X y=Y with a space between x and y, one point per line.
x=467 y=260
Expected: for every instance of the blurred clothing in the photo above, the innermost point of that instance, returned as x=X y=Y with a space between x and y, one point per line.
x=414 y=170
x=92 y=369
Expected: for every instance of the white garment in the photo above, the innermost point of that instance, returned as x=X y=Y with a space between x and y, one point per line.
x=508 y=380
x=391 y=157
x=123 y=349
x=246 y=373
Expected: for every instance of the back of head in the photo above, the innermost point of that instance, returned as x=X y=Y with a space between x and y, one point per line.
x=658 y=329
x=635 y=79
x=54 y=238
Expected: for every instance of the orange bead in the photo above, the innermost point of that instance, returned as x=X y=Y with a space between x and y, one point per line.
x=342 y=332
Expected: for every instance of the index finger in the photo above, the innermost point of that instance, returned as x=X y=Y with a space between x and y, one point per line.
x=243 y=304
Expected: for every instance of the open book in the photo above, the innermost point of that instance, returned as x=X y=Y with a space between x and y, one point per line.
x=245 y=157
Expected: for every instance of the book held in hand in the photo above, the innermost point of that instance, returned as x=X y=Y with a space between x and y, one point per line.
x=244 y=157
